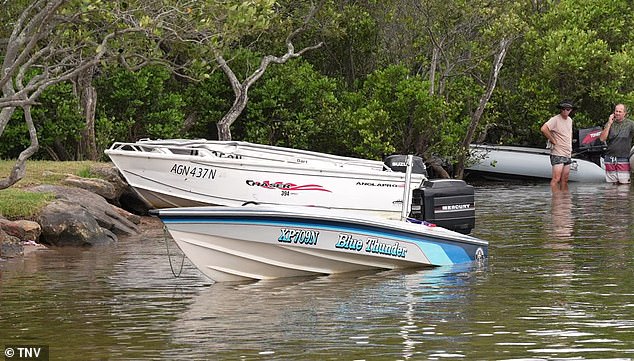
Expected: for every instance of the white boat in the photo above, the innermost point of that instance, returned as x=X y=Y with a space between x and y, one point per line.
x=512 y=162
x=183 y=173
x=263 y=242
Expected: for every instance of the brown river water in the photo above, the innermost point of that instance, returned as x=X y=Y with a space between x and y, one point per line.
x=558 y=285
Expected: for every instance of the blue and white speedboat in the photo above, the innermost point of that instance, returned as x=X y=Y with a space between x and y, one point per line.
x=265 y=242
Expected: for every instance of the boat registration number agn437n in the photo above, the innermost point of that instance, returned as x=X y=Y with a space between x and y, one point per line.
x=197 y=172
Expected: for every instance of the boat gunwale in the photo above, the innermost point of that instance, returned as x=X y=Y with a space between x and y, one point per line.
x=319 y=219
x=289 y=167
x=282 y=151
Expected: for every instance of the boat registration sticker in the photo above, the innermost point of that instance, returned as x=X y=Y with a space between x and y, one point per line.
x=298 y=236
x=196 y=172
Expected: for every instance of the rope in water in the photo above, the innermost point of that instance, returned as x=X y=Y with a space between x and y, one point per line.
x=166 y=237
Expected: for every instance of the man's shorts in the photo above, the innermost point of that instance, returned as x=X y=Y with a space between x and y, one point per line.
x=558 y=159
x=617 y=170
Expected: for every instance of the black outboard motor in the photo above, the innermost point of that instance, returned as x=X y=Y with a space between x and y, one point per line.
x=398 y=163
x=587 y=145
x=449 y=203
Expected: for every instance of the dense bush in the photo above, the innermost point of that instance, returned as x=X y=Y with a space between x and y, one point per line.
x=58 y=121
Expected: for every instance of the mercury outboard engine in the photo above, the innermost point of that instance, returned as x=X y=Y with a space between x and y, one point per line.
x=449 y=203
x=398 y=163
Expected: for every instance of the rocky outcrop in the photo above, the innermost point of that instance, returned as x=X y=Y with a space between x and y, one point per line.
x=111 y=185
x=85 y=212
x=66 y=223
x=32 y=230
x=13 y=234
x=10 y=246
x=11 y=228
x=95 y=185
x=75 y=208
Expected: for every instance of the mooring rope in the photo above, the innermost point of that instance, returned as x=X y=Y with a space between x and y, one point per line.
x=166 y=237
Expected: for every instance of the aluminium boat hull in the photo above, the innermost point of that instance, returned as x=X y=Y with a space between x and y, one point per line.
x=180 y=173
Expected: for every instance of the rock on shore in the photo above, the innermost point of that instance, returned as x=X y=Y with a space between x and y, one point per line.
x=85 y=212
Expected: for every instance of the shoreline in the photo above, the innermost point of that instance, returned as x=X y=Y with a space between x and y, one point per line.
x=149 y=226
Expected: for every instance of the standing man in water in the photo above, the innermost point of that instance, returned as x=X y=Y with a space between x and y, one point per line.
x=558 y=131
x=618 y=133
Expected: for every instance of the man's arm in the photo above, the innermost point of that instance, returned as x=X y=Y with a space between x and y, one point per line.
x=606 y=130
x=548 y=134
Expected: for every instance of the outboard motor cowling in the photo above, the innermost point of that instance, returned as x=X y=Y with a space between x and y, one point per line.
x=449 y=203
x=398 y=163
x=587 y=145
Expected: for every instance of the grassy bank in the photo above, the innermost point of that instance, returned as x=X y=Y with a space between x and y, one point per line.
x=18 y=204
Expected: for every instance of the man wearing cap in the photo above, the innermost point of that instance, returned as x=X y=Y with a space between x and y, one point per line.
x=558 y=131
x=618 y=133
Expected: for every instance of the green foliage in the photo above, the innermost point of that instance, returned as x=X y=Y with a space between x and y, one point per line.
x=230 y=20
x=206 y=102
x=86 y=172
x=291 y=106
x=410 y=119
x=135 y=105
x=362 y=131
x=578 y=49
x=208 y=28
x=15 y=137
x=368 y=92
x=58 y=121
x=352 y=38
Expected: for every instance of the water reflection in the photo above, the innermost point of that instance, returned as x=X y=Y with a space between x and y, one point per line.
x=558 y=286
x=561 y=211
x=617 y=201
x=327 y=314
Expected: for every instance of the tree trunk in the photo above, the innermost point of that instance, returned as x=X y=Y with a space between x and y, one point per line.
x=477 y=115
x=439 y=171
x=88 y=102
x=224 y=125
x=19 y=168
x=239 y=103
x=190 y=120
x=241 y=89
x=432 y=70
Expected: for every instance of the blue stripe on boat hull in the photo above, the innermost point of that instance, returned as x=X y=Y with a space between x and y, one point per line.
x=438 y=251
